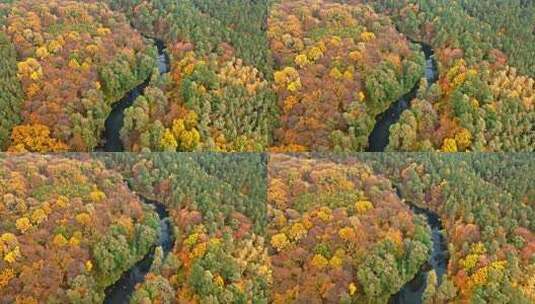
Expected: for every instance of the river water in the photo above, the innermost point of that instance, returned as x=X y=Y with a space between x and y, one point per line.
x=121 y=291
x=378 y=139
x=412 y=292
x=115 y=121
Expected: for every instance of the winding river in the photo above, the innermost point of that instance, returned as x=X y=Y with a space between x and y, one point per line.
x=121 y=291
x=115 y=121
x=378 y=139
x=412 y=292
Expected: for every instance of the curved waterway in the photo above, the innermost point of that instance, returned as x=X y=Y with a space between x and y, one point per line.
x=412 y=292
x=121 y=291
x=378 y=139
x=115 y=121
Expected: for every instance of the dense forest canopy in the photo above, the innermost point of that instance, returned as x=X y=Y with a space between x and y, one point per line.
x=73 y=61
x=217 y=95
x=217 y=205
x=252 y=228
x=485 y=95
x=68 y=229
x=487 y=203
x=268 y=75
x=72 y=224
x=339 y=233
x=338 y=67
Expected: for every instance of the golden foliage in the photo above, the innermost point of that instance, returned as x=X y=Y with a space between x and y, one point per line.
x=103 y=31
x=346 y=233
x=184 y=132
x=463 y=139
x=168 y=142
x=325 y=214
x=301 y=60
x=30 y=68
x=356 y=56
x=335 y=73
x=88 y=266
x=62 y=202
x=12 y=255
x=38 y=216
x=319 y=261
x=59 y=240
x=42 y=52
x=352 y=288
x=367 y=36
x=449 y=145
x=279 y=241
x=198 y=250
x=23 y=224
x=363 y=206
x=34 y=138
x=335 y=262
x=297 y=231
x=5 y=276
x=314 y=54
x=73 y=64
x=97 y=196
x=83 y=219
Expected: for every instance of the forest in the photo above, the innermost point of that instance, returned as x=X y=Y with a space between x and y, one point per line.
x=68 y=229
x=217 y=207
x=281 y=76
x=487 y=205
x=484 y=98
x=67 y=63
x=339 y=233
x=72 y=224
x=257 y=228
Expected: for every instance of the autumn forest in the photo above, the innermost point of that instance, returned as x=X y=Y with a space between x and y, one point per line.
x=267 y=152
x=280 y=76
x=258 y=228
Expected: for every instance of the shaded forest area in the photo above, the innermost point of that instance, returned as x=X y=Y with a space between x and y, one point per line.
x=267 y=75
x=217 y=205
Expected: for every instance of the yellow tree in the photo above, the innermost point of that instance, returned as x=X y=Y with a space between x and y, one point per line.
x=168 y=141
x=449 y=145
x=23 y=224
x=34 y=138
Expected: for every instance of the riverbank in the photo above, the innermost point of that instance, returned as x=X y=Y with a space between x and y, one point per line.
x=412 y=292
x=122 y=290
x=379 y=138
x=115 y=121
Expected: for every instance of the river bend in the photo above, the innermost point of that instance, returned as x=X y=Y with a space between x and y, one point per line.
x=115 y=121
x=379 y=138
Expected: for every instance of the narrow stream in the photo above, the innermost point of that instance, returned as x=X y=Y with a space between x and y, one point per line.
x=378 y=139
x=114 y=122
x=121 y=291
x=412 y=292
